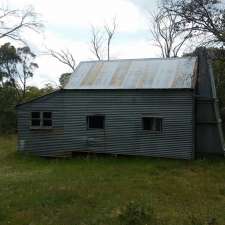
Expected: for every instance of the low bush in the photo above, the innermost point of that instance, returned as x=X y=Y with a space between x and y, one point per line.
x=135 y=213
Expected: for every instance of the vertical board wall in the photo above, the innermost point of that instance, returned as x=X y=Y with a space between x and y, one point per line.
x=123 y=133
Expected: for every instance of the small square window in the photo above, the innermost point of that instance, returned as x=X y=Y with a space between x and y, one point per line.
x=152 y=124
x=96 y=122
x=41 y=120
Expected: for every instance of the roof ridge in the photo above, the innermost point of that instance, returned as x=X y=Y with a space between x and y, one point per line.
x=137 y=59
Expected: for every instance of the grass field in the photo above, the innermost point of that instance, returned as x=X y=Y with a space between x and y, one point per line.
x=98 y=190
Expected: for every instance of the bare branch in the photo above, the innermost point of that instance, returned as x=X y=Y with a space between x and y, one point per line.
x=202 y=16
x=65 y=57
x=96 y=42
x=165 y=32
x=100 y=38
x=14 y=22
x=110 y=31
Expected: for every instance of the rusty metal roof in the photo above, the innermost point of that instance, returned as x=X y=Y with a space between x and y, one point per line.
x=134 y=74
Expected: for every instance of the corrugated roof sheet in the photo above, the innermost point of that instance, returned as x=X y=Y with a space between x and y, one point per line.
x=134 y=74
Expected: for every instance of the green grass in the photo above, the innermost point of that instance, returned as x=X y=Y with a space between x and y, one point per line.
x=94 y=190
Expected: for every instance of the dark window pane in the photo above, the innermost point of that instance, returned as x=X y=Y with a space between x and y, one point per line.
x=35 y=123
x=147 y=123
x=47 y=115
x=35 y=115
x=47 y=123
x=96 y=122
x=152 y=123
x=158 y=124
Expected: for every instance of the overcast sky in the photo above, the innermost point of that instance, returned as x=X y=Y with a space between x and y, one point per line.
x=67 y=26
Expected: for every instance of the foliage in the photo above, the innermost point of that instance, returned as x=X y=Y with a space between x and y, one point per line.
x=48 y=88
x=205 y=17
x=198 y=220
x=87 y=191
x=8 y=63
x=16 y=66
x=8 y=101
x=33 y=92
x=135 y=213
x=218 y=58
x=8 y=90
x=64 y=78
x=12 y=26
x=25 y=68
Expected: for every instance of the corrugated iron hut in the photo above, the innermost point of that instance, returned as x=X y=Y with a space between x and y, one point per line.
x=150 y=107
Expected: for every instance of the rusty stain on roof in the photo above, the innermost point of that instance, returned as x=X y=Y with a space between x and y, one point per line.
x=134 y=74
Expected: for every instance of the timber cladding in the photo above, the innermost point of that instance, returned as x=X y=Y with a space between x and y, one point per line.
x=123 y=112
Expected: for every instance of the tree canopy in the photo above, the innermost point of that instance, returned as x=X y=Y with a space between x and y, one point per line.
x=203 y=17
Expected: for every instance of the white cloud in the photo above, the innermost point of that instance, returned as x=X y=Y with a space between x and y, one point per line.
x=146 y=4
x=49 y=68
x=83 y=13
x=135 y=49
x=67 y=25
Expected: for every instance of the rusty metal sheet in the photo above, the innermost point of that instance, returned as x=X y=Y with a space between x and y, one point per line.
x=134 y=74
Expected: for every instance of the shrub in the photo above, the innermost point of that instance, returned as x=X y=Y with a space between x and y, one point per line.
x=194 y=220
x=136 y=214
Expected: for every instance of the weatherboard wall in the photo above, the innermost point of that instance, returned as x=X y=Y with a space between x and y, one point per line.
x=123 y=133
x=44 y=141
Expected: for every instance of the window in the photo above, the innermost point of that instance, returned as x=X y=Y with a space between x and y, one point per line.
x=96 y=122
x=47 y=119
x=41 y=120
x=152 y=124
x=35 y=119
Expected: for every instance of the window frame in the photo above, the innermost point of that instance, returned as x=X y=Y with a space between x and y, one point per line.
x=93 y=115
x=155 y=118
x=41 y=118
